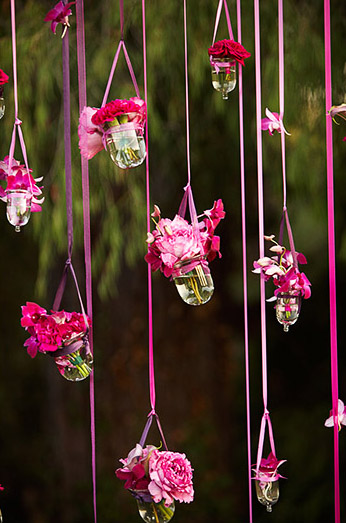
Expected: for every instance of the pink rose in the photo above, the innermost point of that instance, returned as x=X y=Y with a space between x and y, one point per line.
x=229 y=49
x=171 y=477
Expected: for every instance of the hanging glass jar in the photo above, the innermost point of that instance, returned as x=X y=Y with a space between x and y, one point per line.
x=74 y=360
x=155 y=512
x=193 y=280
x=223 y=76
x=125 y=142
x=288 y=308
x=267 y=492
x=18 y=207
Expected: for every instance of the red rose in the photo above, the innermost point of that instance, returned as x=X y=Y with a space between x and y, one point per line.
x=229 y=49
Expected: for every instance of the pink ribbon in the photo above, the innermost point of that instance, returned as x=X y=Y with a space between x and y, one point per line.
x=217 y=20
x=129 y=126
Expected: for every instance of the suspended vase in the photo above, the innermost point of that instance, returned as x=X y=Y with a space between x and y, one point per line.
x=2 y=112
x=223 y=76
x=18 y=207
x=288 y=309
x=125 y=142
x=193 y=281
x=267 y=493
x=74 y=360
x=155 y=512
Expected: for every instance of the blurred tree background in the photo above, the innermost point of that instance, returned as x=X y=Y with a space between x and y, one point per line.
x=199 y=352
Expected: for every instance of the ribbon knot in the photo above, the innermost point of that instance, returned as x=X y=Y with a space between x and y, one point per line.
x=152 y=413
x=68 y=261
x=17 y=121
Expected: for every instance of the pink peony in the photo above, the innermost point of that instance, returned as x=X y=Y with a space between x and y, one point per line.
x=3 y=77
x=229 y=49
x=170 y=476
x=59 y=15
x=90 y=136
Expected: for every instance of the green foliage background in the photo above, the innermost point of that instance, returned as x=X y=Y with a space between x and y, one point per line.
x=199 y=355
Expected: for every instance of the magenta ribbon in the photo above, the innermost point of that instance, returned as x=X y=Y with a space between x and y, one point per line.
x=217 y=20
x=244 y=255
x=87 y=234
x=217 y=64
x=17 y=122
x=331 y=255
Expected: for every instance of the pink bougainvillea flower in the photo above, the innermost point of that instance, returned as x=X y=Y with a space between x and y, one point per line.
x=3 y=77
x=273 y=123
x=90 y=135
x=59 y=15
x=268 y=468
x=229 y=49
x=170 y=476
x=341 y=418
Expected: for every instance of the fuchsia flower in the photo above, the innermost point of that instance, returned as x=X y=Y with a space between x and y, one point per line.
x=273 y=123
x=59 y=15
x=341 y=417
x=3 y=77
x=281 y=270
x=268 y=469
x=228 y=49
x=18 y=177
x=153 y=475
x=49 y=332
x=176 y=240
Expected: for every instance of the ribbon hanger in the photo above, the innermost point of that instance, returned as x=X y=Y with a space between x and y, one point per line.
x=217 y=20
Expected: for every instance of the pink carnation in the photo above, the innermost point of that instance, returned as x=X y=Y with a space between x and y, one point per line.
x=3 y=77
x=171 y=477
x=229 y=49
x=135 y=108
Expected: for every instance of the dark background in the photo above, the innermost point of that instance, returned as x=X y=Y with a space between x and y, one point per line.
x=45 y=457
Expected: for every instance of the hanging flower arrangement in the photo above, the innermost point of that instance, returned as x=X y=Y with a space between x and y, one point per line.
x=21 y=192
x=3 y=81
x=181 y=251
x=157 y=478
x=118 y=127
x=61 y=334
x=292 y=285
x=267 y=481
x=223 y=57
x=59 y=15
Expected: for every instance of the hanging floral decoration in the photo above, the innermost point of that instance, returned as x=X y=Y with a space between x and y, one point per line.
x=291 y=284
x=273 y=122
x=21 y=192
x=59 y=15
x=118 y=126
x=3 y=80
x=267 y=480
x=341 y=416
x=223 y=57
x=62 y=335
x=182 y=251
x=157 y=478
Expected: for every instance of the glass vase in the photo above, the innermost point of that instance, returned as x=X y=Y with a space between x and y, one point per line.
x=193 y=281
x=76 y=365
x=223 y=76
x=125 y=142
x=288 y=309
x=155 y=512
x=267 y=493
x=2 y=111
x=18 y=207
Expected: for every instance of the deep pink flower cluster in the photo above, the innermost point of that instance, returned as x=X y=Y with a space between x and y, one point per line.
x=229 y=49
x=20 y=178
x=3 y=77
x=49 y=332
x=176 y=240
x=268 y=469
x=154 y=475
x=59 y=15
x=281 y=270
x=135 y=108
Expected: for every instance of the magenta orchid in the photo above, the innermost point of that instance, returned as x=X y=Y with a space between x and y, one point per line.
x=341 y=417
x=338 y=110
x=272 y=123
x=59 y=15
x=157 y=476
x=268 y=468
x=19 y=178
x=280 y=268
x=49 y=332
x=176 y=240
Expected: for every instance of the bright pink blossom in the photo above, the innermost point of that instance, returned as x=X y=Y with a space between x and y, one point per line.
x=341 y=417
x=135 y=108
x=268 y=468
x=229 y=49
x=3 y=77
x=18 y=177
x=90 y=135
x=59 y=15
x=272 y=123
x=171 y=477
